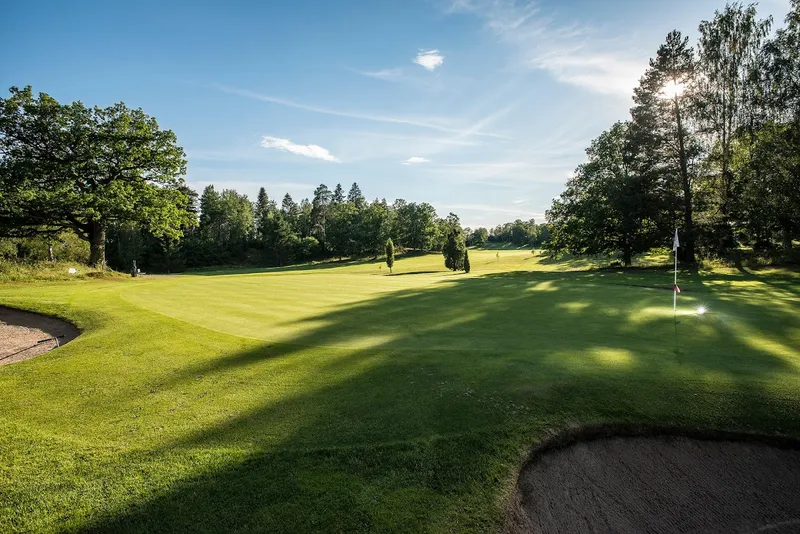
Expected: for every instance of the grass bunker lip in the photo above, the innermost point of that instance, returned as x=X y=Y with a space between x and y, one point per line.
x=24 y=334
x=638 y=478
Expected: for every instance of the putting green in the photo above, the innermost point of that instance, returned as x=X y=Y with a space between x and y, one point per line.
x=337 y=397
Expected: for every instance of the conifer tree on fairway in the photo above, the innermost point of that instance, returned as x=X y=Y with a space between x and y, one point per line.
x=454 y=249
x=466 y=260
x=389 y=254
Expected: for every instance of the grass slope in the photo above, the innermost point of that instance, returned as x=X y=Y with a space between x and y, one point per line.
x=338 y=398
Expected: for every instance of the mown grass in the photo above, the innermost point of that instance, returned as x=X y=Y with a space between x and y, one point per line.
x=335 y=397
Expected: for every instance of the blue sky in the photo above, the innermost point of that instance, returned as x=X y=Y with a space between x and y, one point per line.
x=480 y=107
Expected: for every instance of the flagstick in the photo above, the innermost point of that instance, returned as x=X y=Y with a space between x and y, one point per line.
x=675 y=287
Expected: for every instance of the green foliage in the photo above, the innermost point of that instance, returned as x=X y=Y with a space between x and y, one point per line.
x=64 y=247
x=455 y=249
x=226 y=226
x=519 y=233
x=389 y=254
x=338 y=194
x=355 y=197
x=466 y=261
x=51 y=271
x=415 y=225
x=477 y=237
x=611 y=205
x=711 y=149
x=69 y=167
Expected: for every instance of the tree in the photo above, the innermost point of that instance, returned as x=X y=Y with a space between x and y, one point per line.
x=728 y=52
x=355 y=197
x=303 y=222
x=771 y=196
x=443 y=228
x=374 y=226
x=522 y=232
x=478 y=237
x=454 y=250
x=320 y=206
x=389 y=254
x=210 y=215
x=226 y=224
x=660 y=125
x=609 y=206
x=262 y=207
x=237 y=220
x=289 y=210
x=466 y=261
x=341 y=229
x=338 y=194
x=415 y=224
x=69 y=167
x=279 y=239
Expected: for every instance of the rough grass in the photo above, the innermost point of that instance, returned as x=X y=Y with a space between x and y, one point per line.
x=335 y=397
x=50 y=271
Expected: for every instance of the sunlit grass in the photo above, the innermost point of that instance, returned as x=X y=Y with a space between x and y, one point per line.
x=338 y=397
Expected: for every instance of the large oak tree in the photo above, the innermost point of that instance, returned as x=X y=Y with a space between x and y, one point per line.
x=67 y=166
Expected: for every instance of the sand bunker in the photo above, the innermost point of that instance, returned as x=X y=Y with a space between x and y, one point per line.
x=24 y=335
x=660 y=484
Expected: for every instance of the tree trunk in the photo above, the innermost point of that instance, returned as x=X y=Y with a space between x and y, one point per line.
x=787 y=237
x=97 y=244
x=627 y=257
x=688 y=220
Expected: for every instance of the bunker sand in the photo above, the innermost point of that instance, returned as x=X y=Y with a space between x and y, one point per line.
x=21 y=333
x=660 y=484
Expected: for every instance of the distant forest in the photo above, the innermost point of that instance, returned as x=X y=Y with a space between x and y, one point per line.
x=226 y=228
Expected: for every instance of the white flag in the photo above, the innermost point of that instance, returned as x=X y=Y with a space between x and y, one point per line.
x=675 y=243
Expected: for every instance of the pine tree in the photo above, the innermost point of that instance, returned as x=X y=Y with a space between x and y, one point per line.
x=338 y=194
x=466 y=261
x=355 y=197
x=389 y=254
x=261 y=209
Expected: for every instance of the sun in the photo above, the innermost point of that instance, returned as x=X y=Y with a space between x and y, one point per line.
x=673 y=89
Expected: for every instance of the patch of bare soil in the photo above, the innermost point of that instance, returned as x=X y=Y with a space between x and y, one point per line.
x=660 y=484
x=24 y=335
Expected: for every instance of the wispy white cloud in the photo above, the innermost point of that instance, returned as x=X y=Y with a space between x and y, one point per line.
x=572 y=54
x=430 y=123
x=520 y=201
x=415 y=160
x=383 y=74
x=421 y=139
x=309 y=151
x=429 y=59
x=500 y=173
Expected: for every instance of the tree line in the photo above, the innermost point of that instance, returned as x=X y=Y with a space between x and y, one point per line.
x=230 y=229
x=112 y=178
x=105 y=185
x=712 y=147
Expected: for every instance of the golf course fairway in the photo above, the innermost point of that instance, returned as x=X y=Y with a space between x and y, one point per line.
x=338 y=397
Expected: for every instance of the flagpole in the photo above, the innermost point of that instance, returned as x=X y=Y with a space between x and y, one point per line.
x=675 y=285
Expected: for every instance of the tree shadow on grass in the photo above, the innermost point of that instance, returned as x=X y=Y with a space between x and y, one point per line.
x=410 y=412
